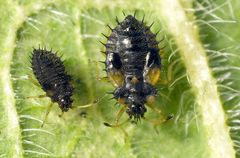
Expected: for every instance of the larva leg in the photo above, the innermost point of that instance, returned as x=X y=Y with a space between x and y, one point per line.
x=46 y=115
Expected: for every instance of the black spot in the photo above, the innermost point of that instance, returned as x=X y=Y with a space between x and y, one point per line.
x=117 y=61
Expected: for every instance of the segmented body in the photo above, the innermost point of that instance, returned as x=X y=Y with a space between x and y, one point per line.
x=133 y=64
x=50 y=73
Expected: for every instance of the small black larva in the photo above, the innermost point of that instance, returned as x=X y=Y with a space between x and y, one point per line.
x=133 y=66
x=51 y=75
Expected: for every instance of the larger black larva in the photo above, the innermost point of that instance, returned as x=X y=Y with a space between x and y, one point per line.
x=50 y=73
x=133 y=64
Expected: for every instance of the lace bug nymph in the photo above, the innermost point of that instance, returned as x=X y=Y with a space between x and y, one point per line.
x=133 y=65
x=51 y=75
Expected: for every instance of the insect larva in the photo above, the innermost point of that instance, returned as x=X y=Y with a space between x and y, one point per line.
x=54 y=80
x=133 y=66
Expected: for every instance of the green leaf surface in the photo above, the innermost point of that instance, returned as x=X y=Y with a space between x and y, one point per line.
x=200 y=58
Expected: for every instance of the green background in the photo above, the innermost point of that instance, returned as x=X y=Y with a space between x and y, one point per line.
x=73 y=28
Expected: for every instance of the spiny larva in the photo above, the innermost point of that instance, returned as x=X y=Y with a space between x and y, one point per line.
x=51 y=75
x=133 y=65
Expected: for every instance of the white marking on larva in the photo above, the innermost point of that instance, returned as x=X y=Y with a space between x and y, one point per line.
x=126 y=41
x=110 y=66
x=146 y=69
x=110 y=57
x=148 y=56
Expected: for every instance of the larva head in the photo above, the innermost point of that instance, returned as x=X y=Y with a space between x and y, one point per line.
x=130 y=23
x=65 y=102
x=135 y=100
x=136 y=108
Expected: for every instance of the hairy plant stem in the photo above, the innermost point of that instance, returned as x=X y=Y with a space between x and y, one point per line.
x=13 y=16
x=200 y=76
x=11 y=130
